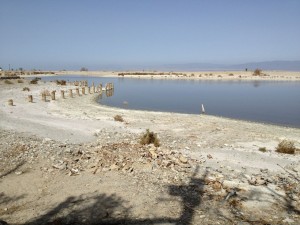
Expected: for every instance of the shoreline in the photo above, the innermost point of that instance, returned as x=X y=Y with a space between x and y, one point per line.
x=200 y=75
x=76 y=146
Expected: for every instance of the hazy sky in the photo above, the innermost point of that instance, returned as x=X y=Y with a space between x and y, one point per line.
x=69 y=34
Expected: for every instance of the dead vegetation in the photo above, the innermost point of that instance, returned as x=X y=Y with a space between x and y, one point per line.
x=8 y=82
x=45 y=92
x=26 y=89
x=61 y=82
x=286 y=147
x=149 y=138
x=257 y=72
x=118 y=118
x=35 y=80
x=262 y=149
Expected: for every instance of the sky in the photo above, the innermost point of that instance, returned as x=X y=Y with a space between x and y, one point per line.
x=70 y=34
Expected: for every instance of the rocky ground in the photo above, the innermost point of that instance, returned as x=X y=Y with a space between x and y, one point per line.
x=69 y=162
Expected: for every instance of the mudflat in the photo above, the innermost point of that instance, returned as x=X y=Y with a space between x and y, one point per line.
x=68 y=160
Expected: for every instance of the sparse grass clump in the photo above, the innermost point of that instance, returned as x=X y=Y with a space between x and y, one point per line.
x=26 y=89
x=286 y=147
x=20 y=81
x=149 y=138
x=118 y=118
x=262 y=149
x=8 y=82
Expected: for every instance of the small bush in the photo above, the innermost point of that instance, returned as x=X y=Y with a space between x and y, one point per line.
x=257 y=72
x=149 y=138
x=8 y=82
x=61 y=82
x=26 y=89
x=118 y=118
x=46 y=92
x=35 y=80
x=20 y=81
x=286 y=147
x=262 y=149
x=231 y=74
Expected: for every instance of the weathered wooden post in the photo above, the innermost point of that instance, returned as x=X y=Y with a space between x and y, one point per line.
x=30 y=99
x=10 y=102
x=77 y=91
x=44 y=97
x=89 y=90
x=202 y=108
x=70 y=93
x=62 y=94
x=94 y=91
x=53 y=95
x=83 y=90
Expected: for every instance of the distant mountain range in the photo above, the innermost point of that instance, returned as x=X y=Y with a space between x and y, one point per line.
x=267 y=65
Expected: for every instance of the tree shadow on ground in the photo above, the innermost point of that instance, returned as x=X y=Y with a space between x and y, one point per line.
x=96 y=209
x=19 y=165
x=99 y=208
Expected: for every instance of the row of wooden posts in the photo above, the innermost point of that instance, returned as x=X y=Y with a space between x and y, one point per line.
x=90 y=90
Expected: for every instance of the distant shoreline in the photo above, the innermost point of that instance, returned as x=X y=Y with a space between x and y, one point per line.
x=200 y=75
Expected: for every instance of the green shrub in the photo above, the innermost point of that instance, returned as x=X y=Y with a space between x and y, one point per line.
x=149 y=138
x=286 y=147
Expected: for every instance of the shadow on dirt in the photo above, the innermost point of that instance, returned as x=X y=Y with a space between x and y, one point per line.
x=197 y=206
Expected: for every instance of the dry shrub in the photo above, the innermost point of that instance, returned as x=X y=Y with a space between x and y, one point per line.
x=26 y=89
x=257 y=72
x=118 y=118
x=20 y=81
x=262 y=149
x=35 y=80
x=231 y=74
x=46 y=92
x=8 y=82
x=61 y=82
x=286 y=147
x=149 y=138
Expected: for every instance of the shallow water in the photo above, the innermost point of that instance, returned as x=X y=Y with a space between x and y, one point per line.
x=275 y=102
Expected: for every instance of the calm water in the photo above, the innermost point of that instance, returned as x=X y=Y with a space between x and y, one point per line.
x=264 y=101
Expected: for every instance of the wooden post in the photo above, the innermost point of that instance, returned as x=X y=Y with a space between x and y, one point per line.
x=83 y=90
x=44 y=97
x=30 y=99
x=53 y=95
x=94 y=91
x=100 y=88
x=62 y=93
x=89 y=90
x=202 y=108
x=10 y=102
x=70 y=93
x=77 y=91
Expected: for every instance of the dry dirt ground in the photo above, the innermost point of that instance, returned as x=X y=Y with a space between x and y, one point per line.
x=67 y=161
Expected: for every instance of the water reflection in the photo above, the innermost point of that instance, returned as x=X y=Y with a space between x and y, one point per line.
x=109 y=93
